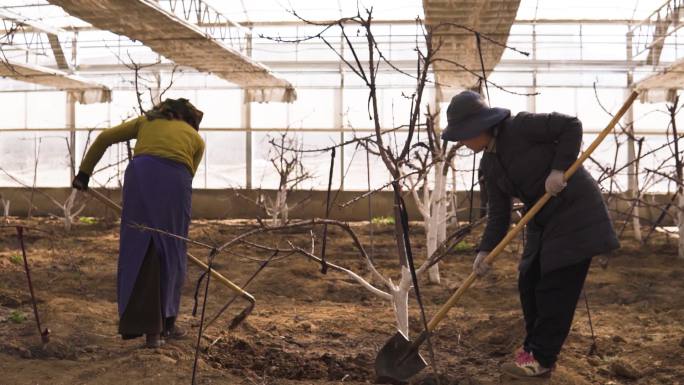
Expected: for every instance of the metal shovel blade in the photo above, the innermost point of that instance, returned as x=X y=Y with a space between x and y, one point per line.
x=398 y=360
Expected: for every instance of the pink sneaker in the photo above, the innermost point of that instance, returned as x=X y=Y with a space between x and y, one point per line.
x=525 y=366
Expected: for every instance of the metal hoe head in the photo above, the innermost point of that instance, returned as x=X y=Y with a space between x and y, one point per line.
x=45 y=336
x=241 y=317
x=398 y=360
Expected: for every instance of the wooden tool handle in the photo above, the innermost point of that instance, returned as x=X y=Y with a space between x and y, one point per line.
x=517 y=228
x=221 y=278
x=105 y=200
x=225 y=281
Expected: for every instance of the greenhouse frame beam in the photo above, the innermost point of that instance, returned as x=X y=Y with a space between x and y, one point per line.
x=34 y=26
x=652 y=39
x=180 y=41
x=25 y=26
x=294 y=23
x=84 y=91
x=458 y=22
x=671 y=77
x=332 y=66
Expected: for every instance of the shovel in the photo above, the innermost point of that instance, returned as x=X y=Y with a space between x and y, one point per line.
x=399 y=359
x=223 y=280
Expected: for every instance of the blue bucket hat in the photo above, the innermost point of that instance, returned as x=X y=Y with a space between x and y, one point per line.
x=469 y=116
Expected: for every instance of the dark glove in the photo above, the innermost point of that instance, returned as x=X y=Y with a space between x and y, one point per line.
x=80 y=182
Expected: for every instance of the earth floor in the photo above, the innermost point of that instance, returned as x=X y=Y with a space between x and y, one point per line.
x=310 y=328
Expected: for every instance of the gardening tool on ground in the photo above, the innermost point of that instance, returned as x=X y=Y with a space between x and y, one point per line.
x=236 y=321
x=44 y=333
x=399 y=359
x=223 y=280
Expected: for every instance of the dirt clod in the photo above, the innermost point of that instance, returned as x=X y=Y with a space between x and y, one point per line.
x=10 y=301
x=618 y=339
x=277 y=361
x=306 y=326
x=24 y=353
x=622 y=368
x=594 y=361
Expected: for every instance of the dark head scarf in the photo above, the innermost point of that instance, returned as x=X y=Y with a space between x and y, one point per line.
x=179 y=109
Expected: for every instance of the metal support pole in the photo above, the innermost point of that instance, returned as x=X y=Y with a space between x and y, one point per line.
x=71 y=126
x=247 y=124
x=71 y=113
x=339 y=114
x=629 y=118
x=532 y=98
x=157 y=90
x=632 y=170
x=246 y=116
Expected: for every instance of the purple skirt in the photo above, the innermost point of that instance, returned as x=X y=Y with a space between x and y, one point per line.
x=156 y=193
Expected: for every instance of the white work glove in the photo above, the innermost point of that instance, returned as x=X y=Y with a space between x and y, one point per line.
x=554 y=182
x=479 y=266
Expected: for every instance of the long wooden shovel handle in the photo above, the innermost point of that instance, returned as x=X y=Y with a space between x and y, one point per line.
x=530 y=214
x=225 y=281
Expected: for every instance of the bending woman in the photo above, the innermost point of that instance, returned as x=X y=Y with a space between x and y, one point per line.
x=156 y=193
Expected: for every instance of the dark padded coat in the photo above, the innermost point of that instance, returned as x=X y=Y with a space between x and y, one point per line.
x=574 y=225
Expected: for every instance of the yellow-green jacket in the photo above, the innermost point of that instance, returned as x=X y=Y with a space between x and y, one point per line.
x=169 y=139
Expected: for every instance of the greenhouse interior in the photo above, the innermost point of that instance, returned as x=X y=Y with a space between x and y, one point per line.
x=465 y=192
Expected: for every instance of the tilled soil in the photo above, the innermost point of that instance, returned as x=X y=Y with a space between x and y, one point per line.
x=310 y=328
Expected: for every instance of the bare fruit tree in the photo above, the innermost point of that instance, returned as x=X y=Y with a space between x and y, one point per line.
x=649 y=167
x=285 y=156
x=361 y=54
x=431 y=162
x=68 y=209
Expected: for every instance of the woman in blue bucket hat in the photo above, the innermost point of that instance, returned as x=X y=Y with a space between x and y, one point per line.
x=525 y=156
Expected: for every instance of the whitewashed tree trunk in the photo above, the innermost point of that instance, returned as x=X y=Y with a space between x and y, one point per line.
x=282 y=205
x=68 y=205
x=431 y=231
x=5 y=208
x=68 y=210
x=277 y=209
x=285 y=214
x=636 y=223
x=443 y=215
x=433 y=207
x=400 y=294
x=280 y=211
x=274 y=218
x=436 y=229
